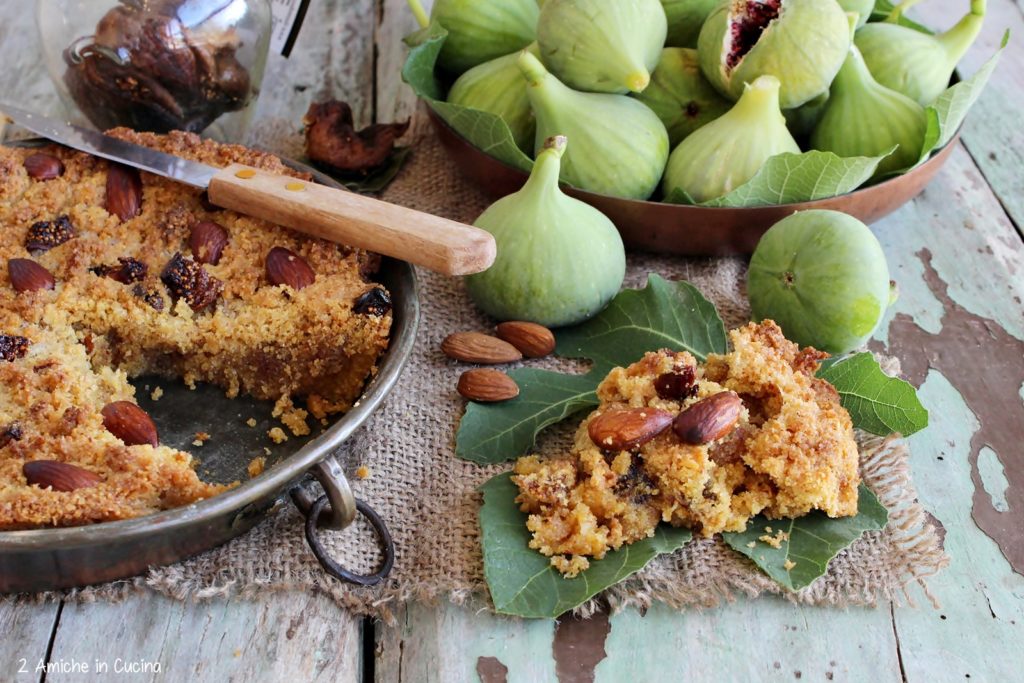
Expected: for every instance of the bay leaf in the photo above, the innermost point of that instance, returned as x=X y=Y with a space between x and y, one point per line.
x=813 y=540
x=522 y=581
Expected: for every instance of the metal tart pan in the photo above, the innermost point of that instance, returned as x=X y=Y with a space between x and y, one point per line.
x=57 y=558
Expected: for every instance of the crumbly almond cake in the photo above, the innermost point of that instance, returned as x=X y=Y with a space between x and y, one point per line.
x=107 y=274
x=751 y=432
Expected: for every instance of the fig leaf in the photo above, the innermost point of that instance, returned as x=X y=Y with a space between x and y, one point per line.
x=809 y=542
x=947 y=114
x=789 y=178
x=483 y=130
x=877 y=403
x=523 y=583
x=663 y=315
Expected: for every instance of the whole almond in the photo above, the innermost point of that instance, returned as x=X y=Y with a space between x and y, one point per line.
x=533 y=340
x=124 y=191
x=43 y=166
x=285 y=267
x=623 y=430
x=130 y=423
x=207 y=241
x=476 y=347
x=709 y=419
x=487 y=386
x=59 y=476
x=28 y=276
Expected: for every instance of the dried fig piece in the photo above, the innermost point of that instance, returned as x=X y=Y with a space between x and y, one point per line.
x=375 y=302
x=46 y=235
x=186 y=279
x=12 y=432
x=12 y=347
x=127 y=270
x=333 y=141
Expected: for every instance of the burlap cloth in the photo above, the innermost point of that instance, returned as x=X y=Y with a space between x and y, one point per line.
x=429 y=497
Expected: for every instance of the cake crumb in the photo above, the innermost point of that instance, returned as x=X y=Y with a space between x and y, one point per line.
x=775 y=541
x=752 y=545
x=291 y=416
x=277 y=435
x=788 y=565
x=251 y=422
x=157 y=394
x=266 y=450
x=256 y=466
x=363 y=472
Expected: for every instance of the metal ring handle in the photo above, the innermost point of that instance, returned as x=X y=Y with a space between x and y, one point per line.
x=343 y=504
x=335 y=569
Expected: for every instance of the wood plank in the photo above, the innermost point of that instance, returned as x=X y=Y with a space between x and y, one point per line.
x=952 y=341
x=447 y=643
x=332 y=58
x=26 y=626
x=993 y=131
x=395 y=100
x=282 y=636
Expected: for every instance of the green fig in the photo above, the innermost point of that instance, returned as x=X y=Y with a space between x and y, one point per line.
x=865 y=118
x=479 y=31
x=497 y=87
x=680 y=95
x=915 y=63
x=619 y=146
x=608 y=46
x=727 y=152
x=559 y=262
x=802 y=120
x=862 y=8
x=801 y=42
x=822 y=276
x=685 y=17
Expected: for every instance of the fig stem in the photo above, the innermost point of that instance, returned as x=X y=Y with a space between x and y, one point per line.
x=897 y=11
x=959 y=39
x=417 y=10
x=760 y=95
x=532 y=69
x=548 y=166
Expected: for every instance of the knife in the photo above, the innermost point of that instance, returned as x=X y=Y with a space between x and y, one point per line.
x=340 y=216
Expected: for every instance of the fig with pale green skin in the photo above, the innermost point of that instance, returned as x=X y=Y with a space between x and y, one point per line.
x=619 y=146
x=480 y=30
x=802 y=120
x=822 y=276
x=559 y=261
x=801 y=42
x=915 y=63
x=680 y=95
x=607 y=46
x=685 y=17
x=497 y=87
x=864 y=118
x=727 y=152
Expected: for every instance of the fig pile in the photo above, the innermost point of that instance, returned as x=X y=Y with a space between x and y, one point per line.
x=686 y=100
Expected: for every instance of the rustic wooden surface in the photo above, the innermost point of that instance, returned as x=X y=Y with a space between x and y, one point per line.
x=958 y=254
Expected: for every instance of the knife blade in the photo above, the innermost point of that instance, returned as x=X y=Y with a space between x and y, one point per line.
x=340 y=216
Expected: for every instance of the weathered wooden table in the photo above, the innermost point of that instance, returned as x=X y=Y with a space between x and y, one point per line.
x=958 y=254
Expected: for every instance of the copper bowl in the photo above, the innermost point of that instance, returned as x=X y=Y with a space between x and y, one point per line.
x=693 y=230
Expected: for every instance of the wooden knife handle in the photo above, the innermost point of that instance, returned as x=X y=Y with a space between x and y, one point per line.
x=348 y=218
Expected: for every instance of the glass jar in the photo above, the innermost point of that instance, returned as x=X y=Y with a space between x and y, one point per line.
x=158 y=65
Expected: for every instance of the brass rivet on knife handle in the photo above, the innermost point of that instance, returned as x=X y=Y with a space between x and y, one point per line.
x=340 y=216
